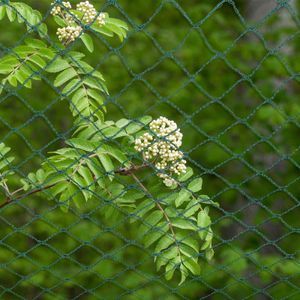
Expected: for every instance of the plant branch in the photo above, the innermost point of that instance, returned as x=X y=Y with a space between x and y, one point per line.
x=162 y=210
x=11 y=199
x=5 y=188
x=123 y=171
x=128 y=171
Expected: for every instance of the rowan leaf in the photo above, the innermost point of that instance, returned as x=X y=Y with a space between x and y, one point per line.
x=195 y=185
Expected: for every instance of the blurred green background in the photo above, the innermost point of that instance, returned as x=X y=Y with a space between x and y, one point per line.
x=228 y=73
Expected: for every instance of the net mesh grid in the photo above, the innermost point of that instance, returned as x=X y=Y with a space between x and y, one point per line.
x=11 y=288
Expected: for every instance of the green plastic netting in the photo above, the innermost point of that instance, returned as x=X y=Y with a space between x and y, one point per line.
x=228 y=73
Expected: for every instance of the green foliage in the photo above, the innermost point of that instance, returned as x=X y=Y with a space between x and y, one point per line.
x=23 y=13
x=231 y=84
x=171 y=226
x=172 y=221
x=5 y=165
x=93 y=164
x=82 y=84
x=111 y=26
x=24 y=63
x=78 y=81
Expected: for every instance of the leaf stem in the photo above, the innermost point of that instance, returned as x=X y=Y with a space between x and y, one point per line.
x=9 y=198
x=163 y=212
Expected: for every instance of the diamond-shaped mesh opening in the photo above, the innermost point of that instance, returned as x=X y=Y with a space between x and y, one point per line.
x=221 y=27
x=227 y=72
x=281 y=17
x=248 y=101
x=207 y=78
x=267 y=85
x=214 y=154
x=142 y=42
x=170 y=76
x=189 y=94
x=159 y=27
x=193 y=46
x=215 y=127
x=247 y=53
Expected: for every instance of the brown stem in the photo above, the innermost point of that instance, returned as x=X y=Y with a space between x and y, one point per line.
x=128 y=171
x=9 y=199
x=162 y=210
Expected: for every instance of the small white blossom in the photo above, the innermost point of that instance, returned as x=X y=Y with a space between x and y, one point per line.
x=57 y=10
x=68 y=34
x=162 y=146
x=88 y=10
x=101 y=19
x=67 y=4
x=72 y=30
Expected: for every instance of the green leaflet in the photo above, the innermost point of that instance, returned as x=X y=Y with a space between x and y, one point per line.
x=102 y=150
x=88 y=42
x=117 y=22
x=88 y=177
x=115 y=153
x=82 y=184
x=165 y=256
x=72 y=87
x=188 y=174
x=136 y=125
x=112 y=26
x=57 y=65
x=195 y=185
x=155 y=234
x=5 y=164
x=2 y=12
x=184 y=273
x=97 y=171
x=82 y=144
x=191 y=265
x=143 y=208
x=64 y=76
x=59 y=21
x=151 y=220
x=164 y=243
x=189 y=252
x=170 y=269
x=4 y=159
x=184 y=223
x=189 y=240
x=119 y=31
x=99 y=131
x=183 y=196
x=107 y=164
x=203 y=223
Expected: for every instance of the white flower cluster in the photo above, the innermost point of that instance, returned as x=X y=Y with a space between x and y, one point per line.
x=161 y=146
x=90 y=13
x=69 y=33
x=101 y=19
x=57 y=10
